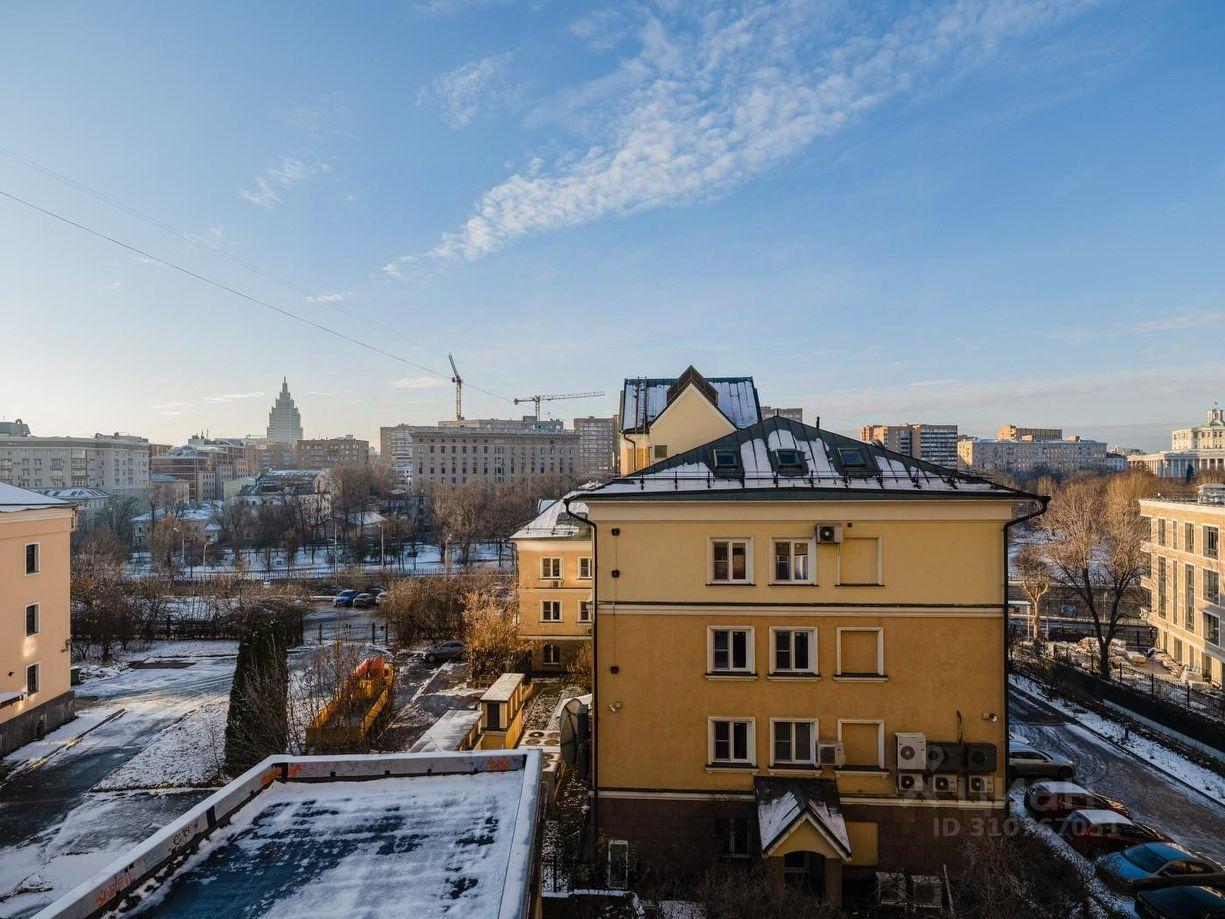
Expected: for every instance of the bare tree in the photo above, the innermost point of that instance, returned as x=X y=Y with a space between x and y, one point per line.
x=1033 y=573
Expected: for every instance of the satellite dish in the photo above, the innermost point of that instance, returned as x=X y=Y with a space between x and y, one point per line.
x=575 y=715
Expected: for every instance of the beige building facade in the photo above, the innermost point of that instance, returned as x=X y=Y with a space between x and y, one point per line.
x=1184 y=582
x=1015 y=432
x=935 y=443
x=1032 y=457
x=326 y=452
x=116 y=463
x=35 y=556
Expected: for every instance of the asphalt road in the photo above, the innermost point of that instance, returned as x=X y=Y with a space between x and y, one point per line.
x=1153 y=796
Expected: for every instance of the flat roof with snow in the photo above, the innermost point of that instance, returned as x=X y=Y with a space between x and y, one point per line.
x=418 y=835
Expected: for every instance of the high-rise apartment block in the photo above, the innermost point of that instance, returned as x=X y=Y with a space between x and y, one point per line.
x=116 y=463
x=324 y=453
x=1033 y=457
x=597 y=447
x=284 y=419
x=935 y=443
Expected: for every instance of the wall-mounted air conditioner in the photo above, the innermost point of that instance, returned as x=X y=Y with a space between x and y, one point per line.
x=831 y=754
x=911 y=750
x=828 y=532
x=980 y=758
x=910 y=783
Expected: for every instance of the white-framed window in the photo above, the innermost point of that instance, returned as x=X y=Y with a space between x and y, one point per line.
x=863 y=742
x=32 y=558
x=584 y=568
x=860 y=652
x=860 y=563
x=731 y=561
x=550 y=611
x=32 y=675
x=793 y=742
x=1212 y=542
x=550 y=655
x=732 y=742
x=729 y=650
x=584 y=610
x=794 y=561
x=793 y=651
x=1188 y=537
x=550 y=568
x=1212 y=587
x=32 y=619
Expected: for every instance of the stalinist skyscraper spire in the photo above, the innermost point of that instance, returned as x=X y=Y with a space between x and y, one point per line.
x=284 y=421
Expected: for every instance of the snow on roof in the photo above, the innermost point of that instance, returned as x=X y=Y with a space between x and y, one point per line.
x=644 y=398
x=830 y=465
x=447 y=732
x=503 y=688
x=553 y=522
x=202 y=512
x=9 y=697
x=13 y=499
x=79 y=493
x=782 y=803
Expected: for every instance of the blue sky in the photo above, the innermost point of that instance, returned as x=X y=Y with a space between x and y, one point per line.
x=966 y=211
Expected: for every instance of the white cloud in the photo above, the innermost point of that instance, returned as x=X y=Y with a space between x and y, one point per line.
x=715 y=97
x=462 y=93
x=419 y=382
x=334 y=297
x=1179 y=323
x=318 y=393
x=287 y=173
x=233 y=396
x=444 y=8
x=169 y=405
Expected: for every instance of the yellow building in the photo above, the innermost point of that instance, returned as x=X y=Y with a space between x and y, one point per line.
x=35 y=697
x=799 y=655
x=555 y=581
x=1184 y=583
x=661 y=417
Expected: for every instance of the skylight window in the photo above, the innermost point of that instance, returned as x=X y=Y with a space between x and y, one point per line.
x=790 y=462
x=851 y=457
x=726 y=462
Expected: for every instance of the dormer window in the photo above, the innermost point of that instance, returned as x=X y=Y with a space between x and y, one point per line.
x=726 y=462
x=790 y=462
x=854 y=461
x=851 y=456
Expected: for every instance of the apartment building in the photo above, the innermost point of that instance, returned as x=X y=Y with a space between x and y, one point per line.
x=1013 y=432
x=207 y=464
x=935 y=443
x=35 y=693
x=1184 y=582
x=324 y=453
x=799 y=656
x=597 y=447
x=663 y=416
x=556 y=572
x=1033 y=457
x=1192 y=451
x=494 y=451
x=284 y=419
x=396 y=443
x=116 y=463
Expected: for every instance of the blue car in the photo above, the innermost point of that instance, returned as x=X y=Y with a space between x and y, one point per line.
x=1181 y=903
x=344 y=598
x=1156 y=864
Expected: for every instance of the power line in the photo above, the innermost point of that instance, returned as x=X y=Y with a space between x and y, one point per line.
x=238 y=293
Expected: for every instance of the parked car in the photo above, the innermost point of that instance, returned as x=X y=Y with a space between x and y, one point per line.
x=1181 y=902
x=1056 y=800
x=1156 y=864
x=1100 y=832
x=363 y=601
x=1026 y=762
x=344 y=598
x=446 y=651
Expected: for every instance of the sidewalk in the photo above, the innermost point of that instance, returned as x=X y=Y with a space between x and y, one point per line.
x=37 y=752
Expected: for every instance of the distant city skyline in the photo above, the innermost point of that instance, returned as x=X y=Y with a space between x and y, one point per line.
x=938 y=212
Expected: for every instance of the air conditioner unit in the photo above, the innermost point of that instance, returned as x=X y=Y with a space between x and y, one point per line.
x=943 y=756
x=980 y=758
x=980 y=786
x=944 y=784
x=911 y=750
x=831 y=754
x=552 y=738
x=828 y=532
x=910 y=783
x=540 y=735
x=532 y=742
x=890 y=888
x=927 y=892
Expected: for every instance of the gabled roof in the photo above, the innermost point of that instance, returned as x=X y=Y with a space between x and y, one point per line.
x=554 y=521
x=643 y=399
x=783 y=804
x=14 y=499
x=830 y=466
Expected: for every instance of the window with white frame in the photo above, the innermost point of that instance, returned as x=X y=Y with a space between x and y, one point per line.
x=793 y=561
x=730 y=650
x=793 y=651
x=731 y=742
x=550 y=568
x=584 y=568
x=1188 y=537
x=550 y=611
x=584 y=610
x=32 y=679
x=794 y=742
x=863 y=742
x=861 y=652
x=550 y=655
x=32 y=619
x=731 y=561
x=1212 y=542
x=1212 y=587
x=32 y=558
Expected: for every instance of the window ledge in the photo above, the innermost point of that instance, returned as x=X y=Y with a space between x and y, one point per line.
x=849 y=584
x=793 y=584
x=805 y=769
x=734 y=677
x=794 y=677
x=730 y=584
x=748 y=768
x=865 y=770
x=860 y=678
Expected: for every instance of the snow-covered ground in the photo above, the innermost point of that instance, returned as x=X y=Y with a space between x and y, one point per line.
x=188 y=754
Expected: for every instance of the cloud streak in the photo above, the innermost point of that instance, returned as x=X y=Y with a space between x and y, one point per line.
x=715 y=97
x=461 y=94
x=418 y=382
x=233 y=397
x=286 y=174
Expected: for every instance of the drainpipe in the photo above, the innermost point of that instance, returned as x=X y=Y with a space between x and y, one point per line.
x=1044 y=500
x=594 y=733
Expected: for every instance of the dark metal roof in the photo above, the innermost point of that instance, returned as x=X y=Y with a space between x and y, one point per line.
x=643 y=399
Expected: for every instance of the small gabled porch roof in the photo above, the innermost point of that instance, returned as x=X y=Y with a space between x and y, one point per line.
x=787 y=807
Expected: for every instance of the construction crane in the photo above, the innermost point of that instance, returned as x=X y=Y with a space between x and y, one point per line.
x=536 y=400
x=459 y=389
